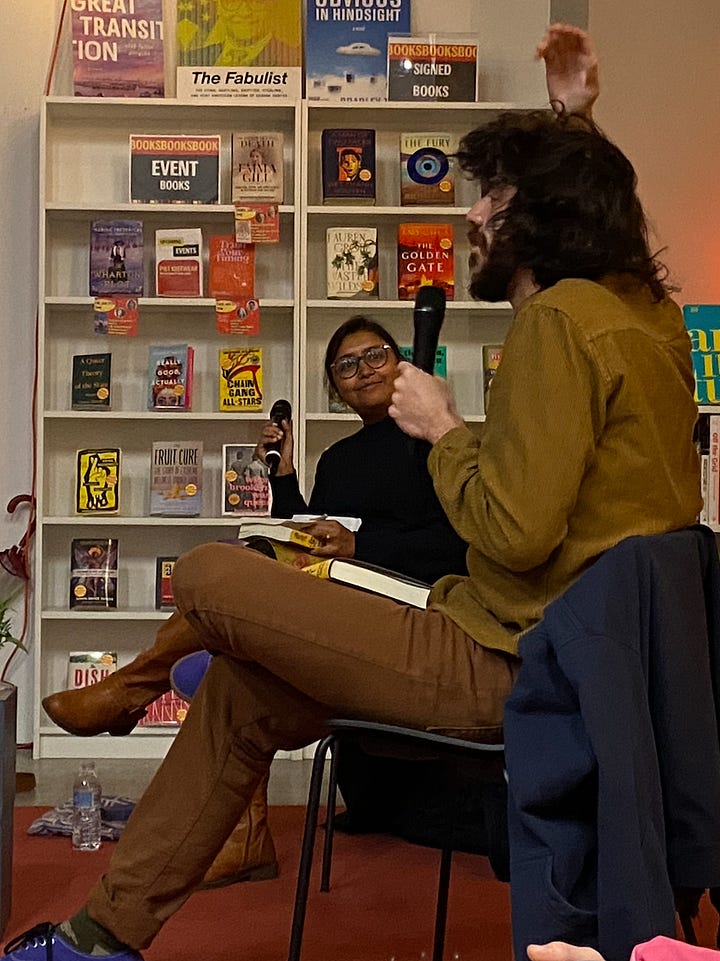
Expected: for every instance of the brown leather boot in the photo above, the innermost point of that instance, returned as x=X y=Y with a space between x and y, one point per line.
x=117 y=703
x=249 y=852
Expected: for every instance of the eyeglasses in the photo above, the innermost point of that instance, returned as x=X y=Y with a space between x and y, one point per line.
x=375 y=357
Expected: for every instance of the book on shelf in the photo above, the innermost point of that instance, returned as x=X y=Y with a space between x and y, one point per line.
x=370 y=577
x=425 y=256
x=352 y=262
x=178 y=262
x=246 y=487
x=168 y=710
x=89 y=667
x=170 y=376
x=432 y=69
x=257 y=167
x=491 y=356
x=97 y=480
x=240 y=379
x=348 y=165
x=116 y=257
x=231 y=267
x=90 y=385
x=175 y=168
x=164 y=596
x=93 y=573
x=440 y=368
x=703 y=326
x=427 y=169
x=282 y=530
x=346 y=49
x=118 y=49
x=176 y=478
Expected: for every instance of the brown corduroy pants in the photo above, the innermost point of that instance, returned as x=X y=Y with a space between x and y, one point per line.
x=294 y=651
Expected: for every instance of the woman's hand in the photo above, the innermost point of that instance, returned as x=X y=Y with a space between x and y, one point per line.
x=337 y=541
x=272 y=435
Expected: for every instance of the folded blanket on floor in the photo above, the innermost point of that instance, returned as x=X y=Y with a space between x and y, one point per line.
x=114 y=812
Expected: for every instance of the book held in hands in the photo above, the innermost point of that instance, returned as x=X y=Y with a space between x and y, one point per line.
x=93 y=573
x=278 y=529
x=176 y=478
x=89 y=667
x=369 y=577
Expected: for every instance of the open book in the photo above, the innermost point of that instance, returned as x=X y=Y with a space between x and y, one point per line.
x=286 y=532
x=369 y=577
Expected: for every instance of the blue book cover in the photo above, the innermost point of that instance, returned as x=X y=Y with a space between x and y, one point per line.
x=346 y=49
x=440 y=369
x=703 y=325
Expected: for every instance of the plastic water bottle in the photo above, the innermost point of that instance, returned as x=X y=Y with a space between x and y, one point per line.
x=86 y=809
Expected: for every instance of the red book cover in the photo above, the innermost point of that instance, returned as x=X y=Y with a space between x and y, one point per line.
x=231 y=267
x=425 y=256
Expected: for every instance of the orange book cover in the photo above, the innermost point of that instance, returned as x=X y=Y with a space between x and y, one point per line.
x=231 y=267
x=425 y=256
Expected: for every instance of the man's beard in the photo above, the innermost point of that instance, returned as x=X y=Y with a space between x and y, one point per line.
x=491 y=281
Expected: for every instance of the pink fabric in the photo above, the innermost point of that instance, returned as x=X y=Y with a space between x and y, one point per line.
x=668 y=949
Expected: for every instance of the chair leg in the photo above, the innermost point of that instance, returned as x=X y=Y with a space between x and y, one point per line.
x=330 y=818
x=308 y=844
x=442 y=901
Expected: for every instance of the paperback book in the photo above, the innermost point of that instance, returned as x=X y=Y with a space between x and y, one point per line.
x=93 y=573
x=175 y=168
x=168 y=710
x=164 y=596
x=425 y=256
x=89 y=667
x=348 y=165
x=280 y=530
x=97 y=480
x=178 y=262
x=231 y=267
x=352 y=263
x=240 y=379
x=427 y=169
x=492 y=355
x=257 y=167
x=176 y=478
x=170 y=376
x=703 y=325
x=346 y=48
x=116 y=257
x=90 y=386
x=246 y=487
x=118 y=49
x=440 y=368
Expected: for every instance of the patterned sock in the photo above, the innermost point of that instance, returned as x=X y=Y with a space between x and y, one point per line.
x=90 y=937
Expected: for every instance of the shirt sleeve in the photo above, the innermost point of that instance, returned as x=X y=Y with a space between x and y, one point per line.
x=510 y=495
x=286 y=497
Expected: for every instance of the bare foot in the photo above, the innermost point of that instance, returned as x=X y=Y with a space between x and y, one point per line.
x=571 y=69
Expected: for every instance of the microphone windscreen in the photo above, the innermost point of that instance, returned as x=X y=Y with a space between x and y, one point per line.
x=281 y=410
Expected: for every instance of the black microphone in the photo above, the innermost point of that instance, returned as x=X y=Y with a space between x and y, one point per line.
x=281 y=410
x=428 y=315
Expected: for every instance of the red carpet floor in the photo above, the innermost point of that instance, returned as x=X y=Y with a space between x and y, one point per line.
x=381 y=905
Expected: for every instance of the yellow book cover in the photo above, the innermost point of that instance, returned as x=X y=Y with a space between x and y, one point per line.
x=97 y=481
x=241 y=379
x=234 y=33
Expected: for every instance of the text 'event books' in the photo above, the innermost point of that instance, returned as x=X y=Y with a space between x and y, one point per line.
x=93 y=573
x=89 y=667
x=703 y=325
x=175 y=168
x=369 y=577
x=246 y=486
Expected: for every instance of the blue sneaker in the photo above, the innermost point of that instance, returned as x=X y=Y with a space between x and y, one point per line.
x=43 y=943
x=186 y=674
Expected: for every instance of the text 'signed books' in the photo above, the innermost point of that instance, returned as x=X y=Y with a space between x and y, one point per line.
x=257 y=167
x=240 y=379
x=703 y=325
x=175 y=168
x=93 y=573
x=170 y=376
x=116 y=257
x=176 y=478
x=246 y=487
x=348 y=165
x=164 y=596
x=352 y=262
x=178 y=262
x=425 y=256
x=427 y=169
x=89 y=667
x=90 y=388
x=97 y=480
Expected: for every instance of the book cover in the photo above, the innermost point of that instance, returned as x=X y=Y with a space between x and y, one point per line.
x=348 y=165
x=170 y=376
x=277 y=529
x=90 y=385
x=240 y=379
x=246 y=488
x=116 y=257
x=118 y=49
x=425 y=256
x=440 y=368
x=370 y=577
x=257 y=223
x=257 y=167
x=93 y=573
x=427 y=169
x=231 y=267
x=352 y=262
x=89 y=667
x=164 y=596
x=703 y=326
x=97 y=480
x=176 y=478
x=491 y=355
x=346 y=48
x=168 y=710
x=116 y=314
x=430 y=69
x=175 y=168
x=178 y=262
